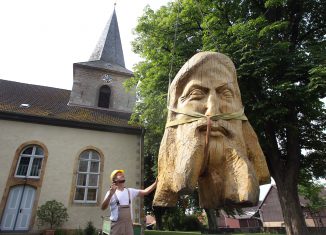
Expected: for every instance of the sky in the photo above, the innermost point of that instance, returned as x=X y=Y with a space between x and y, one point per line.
x=41 y=39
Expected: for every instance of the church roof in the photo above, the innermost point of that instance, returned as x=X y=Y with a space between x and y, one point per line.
x=99 y=64
x=108 y=52
x=48 y=105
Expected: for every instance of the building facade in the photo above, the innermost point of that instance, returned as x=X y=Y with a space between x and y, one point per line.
x=62 y=145
x=272 y=216
x=268 y=216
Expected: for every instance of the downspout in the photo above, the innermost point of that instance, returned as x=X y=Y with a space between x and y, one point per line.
x=141 y=156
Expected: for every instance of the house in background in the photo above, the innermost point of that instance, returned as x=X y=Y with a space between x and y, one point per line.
x=247 y=221
x=268 y=215
x=62 y=145
x=272 y=217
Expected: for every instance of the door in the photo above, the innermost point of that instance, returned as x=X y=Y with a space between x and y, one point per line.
x=19 y=208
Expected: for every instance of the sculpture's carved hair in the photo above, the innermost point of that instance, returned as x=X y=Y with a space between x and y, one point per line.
x=179 y=159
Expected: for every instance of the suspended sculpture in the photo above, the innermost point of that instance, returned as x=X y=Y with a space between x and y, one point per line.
x=208 y=142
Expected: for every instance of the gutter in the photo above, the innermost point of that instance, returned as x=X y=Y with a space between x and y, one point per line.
x=70 y=123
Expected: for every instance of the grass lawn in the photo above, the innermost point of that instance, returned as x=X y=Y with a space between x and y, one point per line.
x=153 y=232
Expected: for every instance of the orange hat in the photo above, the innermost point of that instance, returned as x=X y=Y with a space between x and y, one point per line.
x=115 y=172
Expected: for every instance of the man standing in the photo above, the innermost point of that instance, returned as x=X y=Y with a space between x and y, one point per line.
x=120 y=199
x=208 y=140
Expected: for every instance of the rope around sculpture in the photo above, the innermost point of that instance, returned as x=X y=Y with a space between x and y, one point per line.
x=195 y=116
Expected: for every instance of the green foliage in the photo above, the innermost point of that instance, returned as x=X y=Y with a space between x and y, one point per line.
x=90 y=229
x=52 y=213
x=191 y=223
x=175 y=219
x=153 y=232
x=155 y=41
x=312 y=191
x=278 y=47
x=60 y=232
x=172 y=219
x=78 y=231
x=317 y=79
x=274 y=3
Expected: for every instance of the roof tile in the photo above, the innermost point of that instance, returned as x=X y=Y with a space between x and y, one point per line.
x=52 y=103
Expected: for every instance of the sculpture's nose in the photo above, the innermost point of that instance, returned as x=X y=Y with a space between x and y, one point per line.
x=212 y=104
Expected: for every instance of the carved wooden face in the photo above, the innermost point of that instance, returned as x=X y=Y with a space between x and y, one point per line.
x=226 y=165
x=210 y=91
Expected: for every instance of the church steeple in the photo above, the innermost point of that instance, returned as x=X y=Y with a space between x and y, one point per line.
x=109 y=48
x=98 y=82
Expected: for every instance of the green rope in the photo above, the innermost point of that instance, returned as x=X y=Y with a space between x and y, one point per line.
x=194 y=116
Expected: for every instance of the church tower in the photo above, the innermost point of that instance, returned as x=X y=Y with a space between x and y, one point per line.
x=98 y=83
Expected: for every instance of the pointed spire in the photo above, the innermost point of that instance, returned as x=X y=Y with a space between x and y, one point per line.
x=109 y=48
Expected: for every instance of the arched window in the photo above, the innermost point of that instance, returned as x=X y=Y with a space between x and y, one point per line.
x=87 y=180
x=30 y=162
x=104 y=97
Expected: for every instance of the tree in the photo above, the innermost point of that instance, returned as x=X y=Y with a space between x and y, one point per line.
x=316 y=200
x=90 y=229
x=53 y=213
x=274 y=45
x=151 y=78
x=278 y=47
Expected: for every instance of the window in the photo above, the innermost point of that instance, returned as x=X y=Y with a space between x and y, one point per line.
x=30 y=162
x=104 y=97
x=87 y=179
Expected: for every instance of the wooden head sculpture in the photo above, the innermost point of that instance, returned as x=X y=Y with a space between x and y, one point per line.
x=208 y=141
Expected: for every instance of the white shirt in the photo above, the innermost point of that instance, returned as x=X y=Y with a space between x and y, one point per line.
x=123 y=198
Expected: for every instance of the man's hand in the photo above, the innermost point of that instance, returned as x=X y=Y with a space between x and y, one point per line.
x=106 y=200
x=149 y=189
x=113 y=188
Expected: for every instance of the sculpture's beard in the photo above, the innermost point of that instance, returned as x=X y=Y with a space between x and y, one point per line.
x=224 y=172
x=190 y=159
x=224 y=176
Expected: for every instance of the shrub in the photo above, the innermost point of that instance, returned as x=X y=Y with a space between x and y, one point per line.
x=191 y=223
x=52 y=213
x=175 y=219
x=60 y=232
x=78 y=231
x=171 y=220
x=90 y=229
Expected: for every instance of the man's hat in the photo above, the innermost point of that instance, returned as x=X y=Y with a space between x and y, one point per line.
x=115 y=172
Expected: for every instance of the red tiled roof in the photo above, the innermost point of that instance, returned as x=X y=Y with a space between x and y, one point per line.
x=50 y=104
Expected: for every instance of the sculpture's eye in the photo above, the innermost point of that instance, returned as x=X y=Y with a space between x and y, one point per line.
x=196 y=94
x=227 y=94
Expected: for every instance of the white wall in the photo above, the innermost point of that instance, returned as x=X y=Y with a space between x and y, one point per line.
x=121 y=151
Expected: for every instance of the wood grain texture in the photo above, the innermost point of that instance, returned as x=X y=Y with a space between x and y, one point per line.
x=224 y=160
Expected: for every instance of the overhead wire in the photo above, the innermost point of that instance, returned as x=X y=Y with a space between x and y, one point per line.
x=176 y=25
x=207 y=26
x=173 y=48
x=236 y=115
